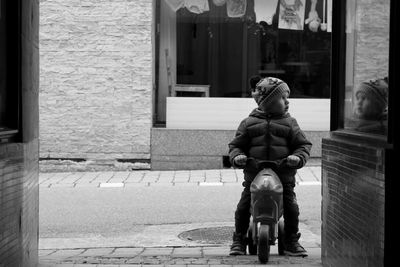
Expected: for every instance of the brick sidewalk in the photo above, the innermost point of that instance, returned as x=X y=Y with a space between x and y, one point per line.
x=167 y=256
x=306 y=176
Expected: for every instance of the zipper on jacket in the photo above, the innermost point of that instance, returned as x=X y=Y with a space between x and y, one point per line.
x=268 y=137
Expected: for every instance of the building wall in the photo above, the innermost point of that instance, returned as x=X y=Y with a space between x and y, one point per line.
x=353 y=204
x=19 y=170
x=95 y=79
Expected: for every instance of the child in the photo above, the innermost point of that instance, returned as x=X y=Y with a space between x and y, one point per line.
x=370 y=110
x=269 y=133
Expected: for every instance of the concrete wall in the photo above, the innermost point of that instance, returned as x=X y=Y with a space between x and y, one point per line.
x=95 y=79
x=19 y=170
x=202 y=149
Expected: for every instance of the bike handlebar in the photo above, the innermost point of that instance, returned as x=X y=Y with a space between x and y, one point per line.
x=261 y=164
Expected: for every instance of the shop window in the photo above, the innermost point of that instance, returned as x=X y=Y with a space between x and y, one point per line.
x=220 y=45
x=367 y=64
x=9 y=58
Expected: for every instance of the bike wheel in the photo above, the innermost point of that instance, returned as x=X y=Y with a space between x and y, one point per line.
x=250 y=241
x=281 y=237
x=263 y=244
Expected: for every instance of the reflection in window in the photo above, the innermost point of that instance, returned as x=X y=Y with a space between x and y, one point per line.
x=366 y=97
x=370 y=107
x=9 y=86
x=3 y=63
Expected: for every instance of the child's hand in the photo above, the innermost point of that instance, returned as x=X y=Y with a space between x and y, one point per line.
x=292 y=161
x=240 y=160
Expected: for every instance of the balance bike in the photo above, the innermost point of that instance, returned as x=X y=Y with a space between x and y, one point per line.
x=266 y=225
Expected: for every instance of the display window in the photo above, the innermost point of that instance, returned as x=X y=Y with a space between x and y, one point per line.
x=367 y=66
x=209 y=48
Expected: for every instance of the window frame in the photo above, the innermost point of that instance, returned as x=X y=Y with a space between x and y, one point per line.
x=338 y=75
x=12 y=129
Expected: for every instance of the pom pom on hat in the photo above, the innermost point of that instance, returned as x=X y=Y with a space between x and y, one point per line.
x=254 y=80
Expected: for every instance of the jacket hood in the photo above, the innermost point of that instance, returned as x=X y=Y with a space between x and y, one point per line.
x=264 y=115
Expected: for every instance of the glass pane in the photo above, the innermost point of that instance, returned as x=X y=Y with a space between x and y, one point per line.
x=3 y=64
x=367 y=59
x=218 y=46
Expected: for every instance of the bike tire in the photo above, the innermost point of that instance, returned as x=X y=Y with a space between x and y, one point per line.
x=263 y=243
x=250 y=241
x=281 y=237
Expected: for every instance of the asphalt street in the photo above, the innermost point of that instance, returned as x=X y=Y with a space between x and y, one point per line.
x=95 y=216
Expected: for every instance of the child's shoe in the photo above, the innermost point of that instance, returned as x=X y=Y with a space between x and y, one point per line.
x=293 y=247
x=238 y=245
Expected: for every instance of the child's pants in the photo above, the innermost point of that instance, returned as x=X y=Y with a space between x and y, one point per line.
x=290 y=210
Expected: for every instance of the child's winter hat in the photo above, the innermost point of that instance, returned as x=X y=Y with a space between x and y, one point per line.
x=375 y=89
x=269 y=89
x=253 y=81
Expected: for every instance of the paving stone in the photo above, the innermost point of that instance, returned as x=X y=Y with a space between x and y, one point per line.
x=73 y=177
x=121 y=175
x=61 y=185
x=197 y=179
x=156 y=251
x=216 y=251
x=82 y=265
x=46 y=252
x=133 y=185
x=199 y=261
x=229 y=180
x=165 y=179
x=187 y=252
x=317 y=172
x=306 y=174
x=136 y=260
x=161 y=184
x=104 y=177
x=127 y=252
x=97 y=252
x=87 y=184
x=184 y=184
x=89 y=176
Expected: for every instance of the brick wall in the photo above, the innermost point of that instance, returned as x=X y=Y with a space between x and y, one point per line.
x=95 y=79
x=353 y=204
x=19 y=174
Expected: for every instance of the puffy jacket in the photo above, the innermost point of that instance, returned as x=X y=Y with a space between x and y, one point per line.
x=269 y=137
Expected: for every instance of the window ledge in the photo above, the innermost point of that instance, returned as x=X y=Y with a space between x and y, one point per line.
x=6 y=134
x=371 y=140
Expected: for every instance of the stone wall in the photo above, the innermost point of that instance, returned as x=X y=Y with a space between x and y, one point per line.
x=95 y=79
x=19 y=171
